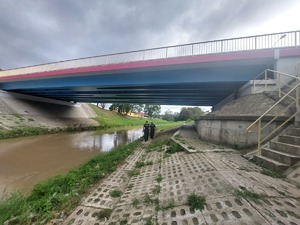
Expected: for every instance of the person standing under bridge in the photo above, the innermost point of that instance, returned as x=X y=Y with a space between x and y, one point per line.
x=152 y=130
x=146 y=131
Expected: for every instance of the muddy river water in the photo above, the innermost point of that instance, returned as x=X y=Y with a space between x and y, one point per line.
x=26 y=161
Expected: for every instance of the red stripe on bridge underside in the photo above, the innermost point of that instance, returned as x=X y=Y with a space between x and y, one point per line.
x=256 y=54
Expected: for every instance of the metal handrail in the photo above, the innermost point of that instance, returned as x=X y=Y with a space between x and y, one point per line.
x=286 y=95
x=249 y=43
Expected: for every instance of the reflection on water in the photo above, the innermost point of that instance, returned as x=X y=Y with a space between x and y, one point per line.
x=108 y=141
x=25 y=161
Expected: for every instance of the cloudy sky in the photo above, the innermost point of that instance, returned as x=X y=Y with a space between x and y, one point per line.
x=40 y=31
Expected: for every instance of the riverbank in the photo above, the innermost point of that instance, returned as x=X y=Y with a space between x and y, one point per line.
x=61 y=193
x=18 y=125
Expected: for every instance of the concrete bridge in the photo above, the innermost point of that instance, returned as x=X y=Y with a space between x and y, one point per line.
x=200 y=74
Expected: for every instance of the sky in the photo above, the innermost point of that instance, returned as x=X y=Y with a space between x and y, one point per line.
x=42 y=31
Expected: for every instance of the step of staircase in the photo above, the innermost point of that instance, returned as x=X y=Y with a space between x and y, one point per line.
x=293 y=132
x=289 y=139
x=271 y=164
x=285 y=147
x=282 y=157
x=297 y=124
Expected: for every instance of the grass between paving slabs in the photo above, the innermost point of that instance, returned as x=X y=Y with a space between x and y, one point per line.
x=49 y=198
x=196 y=201
x=273 y=173
x=250 y=195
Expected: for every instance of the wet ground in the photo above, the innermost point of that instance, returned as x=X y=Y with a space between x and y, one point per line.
x=26 y=161
x=217 y=175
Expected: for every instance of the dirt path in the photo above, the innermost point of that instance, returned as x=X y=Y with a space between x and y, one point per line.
x=147 y=199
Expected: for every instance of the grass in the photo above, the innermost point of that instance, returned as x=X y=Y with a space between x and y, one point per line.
x=149 y=201
x=196 y=201
x=173 y=147
x=135 y=203
x=157 y=145
x=108 y=118
x=139 y=164
x=273 y=173
x=134 y=172
x=130 y=186
x=115 y=193
x=250 y=195
x=61 y=192
x=105 y=118
x=159 y=178
x=156 y=189
x=104 y=213
x=170 y=204
x=34 y=131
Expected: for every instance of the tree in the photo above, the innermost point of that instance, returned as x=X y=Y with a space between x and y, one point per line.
x=137 y=108
x=152 y=110
x=189 y=113
x=169 y=116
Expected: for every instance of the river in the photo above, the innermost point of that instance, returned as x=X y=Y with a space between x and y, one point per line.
x=28 y=160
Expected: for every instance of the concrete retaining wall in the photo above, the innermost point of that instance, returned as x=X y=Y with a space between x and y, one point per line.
x=45 y=112
x=230 y=131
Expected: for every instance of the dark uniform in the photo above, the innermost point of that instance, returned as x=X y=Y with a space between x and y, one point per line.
x=152 y=130
x=146 y=131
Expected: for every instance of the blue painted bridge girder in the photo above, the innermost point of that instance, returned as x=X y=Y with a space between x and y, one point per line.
x=201 y=80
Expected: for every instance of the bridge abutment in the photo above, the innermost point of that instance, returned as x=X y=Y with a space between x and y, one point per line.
x=24 y=110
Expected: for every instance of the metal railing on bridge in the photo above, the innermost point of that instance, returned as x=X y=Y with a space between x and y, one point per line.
x=258 y=42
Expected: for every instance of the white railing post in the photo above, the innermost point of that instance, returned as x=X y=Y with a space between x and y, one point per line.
x=266 y=74
x=279 y=85
x=259 y=138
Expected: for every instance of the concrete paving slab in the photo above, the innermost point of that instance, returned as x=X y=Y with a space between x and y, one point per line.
x=281 y=186
x=279 y=210
x=141 y=184
x=135 y=157
x=100 y=197
x=231 y=211
x=294 y=176
x=228 y=161
x=85 y=216
x=127 y=214
x=215 y=175
x=175 y=190
x=181 y=215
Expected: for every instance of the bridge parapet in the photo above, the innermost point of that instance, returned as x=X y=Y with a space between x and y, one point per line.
x=249 y=43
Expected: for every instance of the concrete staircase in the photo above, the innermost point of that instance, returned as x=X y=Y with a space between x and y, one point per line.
x=280 y=154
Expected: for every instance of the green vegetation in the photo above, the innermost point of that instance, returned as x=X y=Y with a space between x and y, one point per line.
x=156 y=189
x=61 y=192
x=104 y=213
x=141 y=164
x=32 y=131
x=196 y=201
x=105 y=118
x=170 y=204
x=273 y=173
x=157 y=145
x=134 y=172
x=135 y=203
x=115 y=193
x=246 y=194
x=130 y=186
x=173 y=148
x=108 y=119
x=149 y=221
x=149 y=201
x=159 y=178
